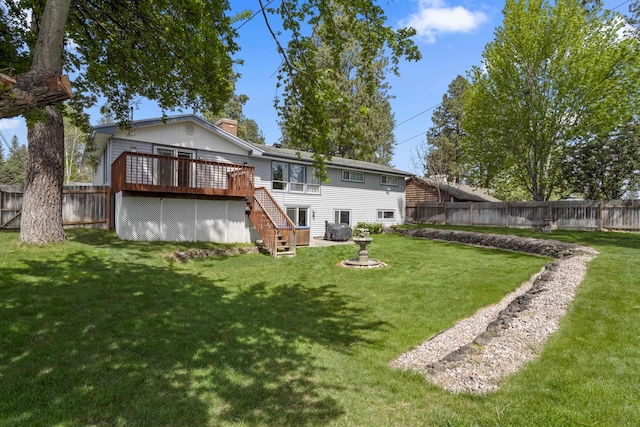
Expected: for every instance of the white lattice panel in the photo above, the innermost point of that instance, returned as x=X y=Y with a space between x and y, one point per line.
x=212 y=221
x=140 y=218
x=237 y=230
x=173 y=219
x=178 y=220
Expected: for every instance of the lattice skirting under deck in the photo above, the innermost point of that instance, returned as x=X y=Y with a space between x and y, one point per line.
x=181 y=220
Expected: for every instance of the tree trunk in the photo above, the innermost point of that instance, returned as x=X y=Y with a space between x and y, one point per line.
x=41 y=220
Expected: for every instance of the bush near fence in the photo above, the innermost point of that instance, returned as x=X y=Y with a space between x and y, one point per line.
x=82 y=206
x=562 y=214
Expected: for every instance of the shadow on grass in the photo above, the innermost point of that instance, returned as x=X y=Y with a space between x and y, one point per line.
x=88 y=342
x=109 y=240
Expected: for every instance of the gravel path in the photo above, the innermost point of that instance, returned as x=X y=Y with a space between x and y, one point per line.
x=476 y=353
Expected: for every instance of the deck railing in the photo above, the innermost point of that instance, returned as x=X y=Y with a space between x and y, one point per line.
x=277 y=231
x=161 y=174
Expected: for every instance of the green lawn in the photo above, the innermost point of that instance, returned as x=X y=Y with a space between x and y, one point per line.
x=101 y=332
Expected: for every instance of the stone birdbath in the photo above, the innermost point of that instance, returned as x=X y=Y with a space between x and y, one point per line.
x=363 y=260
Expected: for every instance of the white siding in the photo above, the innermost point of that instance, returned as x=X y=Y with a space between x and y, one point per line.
x=174 y=134
x=263 y=171
x=363 y=200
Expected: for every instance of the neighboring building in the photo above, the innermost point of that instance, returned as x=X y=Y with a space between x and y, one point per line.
x=420 y=190
x=182 y=178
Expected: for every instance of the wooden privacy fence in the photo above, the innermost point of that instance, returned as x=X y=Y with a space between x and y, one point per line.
x=564 y=214
x=82 y=206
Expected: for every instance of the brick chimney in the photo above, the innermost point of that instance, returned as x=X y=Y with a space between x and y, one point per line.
x=228 y=125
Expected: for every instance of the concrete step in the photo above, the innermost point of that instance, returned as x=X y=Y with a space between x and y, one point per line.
x=285 y=254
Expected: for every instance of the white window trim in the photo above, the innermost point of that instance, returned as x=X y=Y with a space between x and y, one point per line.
x=350 y=172
x=175 y=153
x=344 y=210
x=382 y=218
x=386 y=178
x=288 y=184
x=297 y=209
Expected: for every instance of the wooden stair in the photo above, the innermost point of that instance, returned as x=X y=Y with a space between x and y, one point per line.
x=283 y=248
x=277 y=231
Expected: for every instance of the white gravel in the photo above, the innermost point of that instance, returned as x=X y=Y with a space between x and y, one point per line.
x=511 y=347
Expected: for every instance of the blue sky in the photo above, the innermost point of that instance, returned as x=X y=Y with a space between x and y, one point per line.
x=451 y=36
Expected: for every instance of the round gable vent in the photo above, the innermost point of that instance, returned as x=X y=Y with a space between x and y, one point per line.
x=189 y=129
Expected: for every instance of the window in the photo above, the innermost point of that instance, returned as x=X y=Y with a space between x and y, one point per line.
x=342 y=217
x=279 y=175
x=353 y=176
x=294 y=177
x=313 y=182
x=386 y=214
x=299 y=216
x=389 y=180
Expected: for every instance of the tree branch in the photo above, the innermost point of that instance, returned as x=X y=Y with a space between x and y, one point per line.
x=31 y=90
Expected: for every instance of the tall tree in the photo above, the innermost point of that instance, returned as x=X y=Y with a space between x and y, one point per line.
x=554 y=74
x=179 y=53
x=14 y=169
x=441 y=154
x=75 y=141
x=2 y=178
x=353 y=117
x=606 y=168
x=248 y=129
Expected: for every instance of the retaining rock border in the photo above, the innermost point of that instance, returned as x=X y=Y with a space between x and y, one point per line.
x=182 y=256
x=477 y=352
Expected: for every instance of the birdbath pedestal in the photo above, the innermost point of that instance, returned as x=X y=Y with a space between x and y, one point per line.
x=363 y=254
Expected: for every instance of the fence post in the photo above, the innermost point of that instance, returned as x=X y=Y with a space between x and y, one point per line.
x=471 y=214
x=107 y=195
x=444 y=206
x=508 y=214
x=601 y=214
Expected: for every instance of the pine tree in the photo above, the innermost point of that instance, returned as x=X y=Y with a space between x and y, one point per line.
x=248 y=129
x=15 y=167
x=441 y=155
x=355 y=121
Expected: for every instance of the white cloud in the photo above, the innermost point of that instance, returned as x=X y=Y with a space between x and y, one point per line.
x=435 y=17
x=6 y=124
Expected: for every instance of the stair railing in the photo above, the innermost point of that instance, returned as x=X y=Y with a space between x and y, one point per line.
x=271 y=222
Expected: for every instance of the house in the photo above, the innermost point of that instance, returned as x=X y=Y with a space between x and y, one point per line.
x=439 y=190
x=182 y=178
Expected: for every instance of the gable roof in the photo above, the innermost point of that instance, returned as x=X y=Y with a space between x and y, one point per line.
x=341 y=162
x=102 y=133
x=459 y=191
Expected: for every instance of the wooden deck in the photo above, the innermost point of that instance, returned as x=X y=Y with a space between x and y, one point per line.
x=151 y=173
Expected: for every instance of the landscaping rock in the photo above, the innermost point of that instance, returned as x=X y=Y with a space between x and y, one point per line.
x=497 y=340
x=182 y=256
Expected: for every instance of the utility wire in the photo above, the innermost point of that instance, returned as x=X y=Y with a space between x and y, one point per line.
x=4 y=140
x=256 y=13
x=437 y=105
x=413 y=137
x=417 y=115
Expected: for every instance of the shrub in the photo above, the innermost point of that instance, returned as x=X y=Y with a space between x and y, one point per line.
x=371 y=227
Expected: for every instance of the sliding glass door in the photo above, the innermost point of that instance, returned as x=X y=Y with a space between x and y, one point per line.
x=174 y=169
